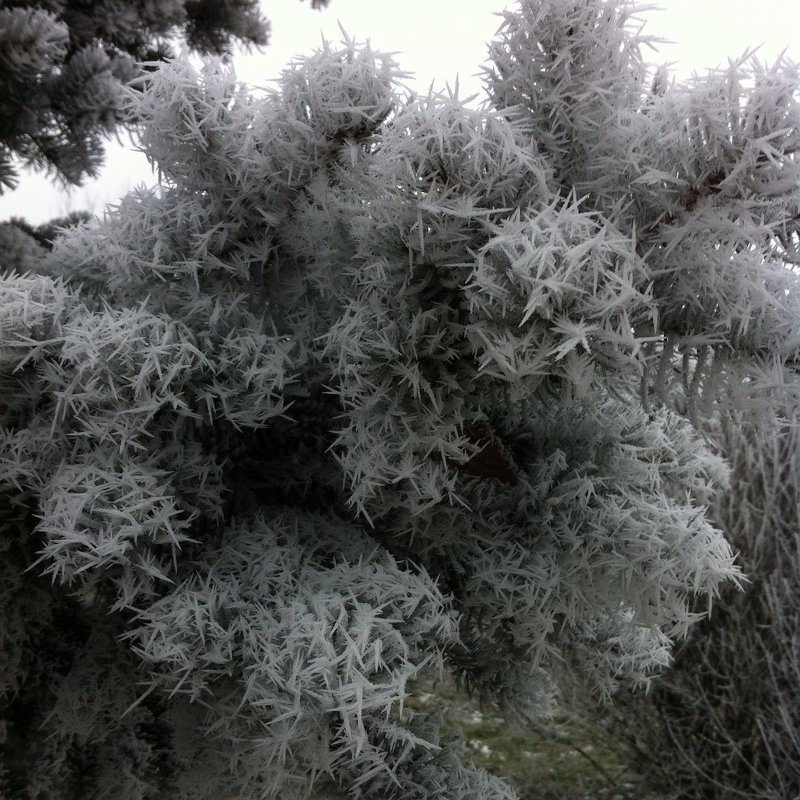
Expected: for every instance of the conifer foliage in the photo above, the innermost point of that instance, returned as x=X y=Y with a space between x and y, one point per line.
x=63 y=63
x=372 y=387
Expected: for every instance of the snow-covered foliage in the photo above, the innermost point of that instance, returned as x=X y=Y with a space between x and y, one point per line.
x=371 y=387
x=63 y=64
x=725 y=719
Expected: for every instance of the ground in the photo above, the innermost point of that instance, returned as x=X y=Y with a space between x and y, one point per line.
x=564 y=758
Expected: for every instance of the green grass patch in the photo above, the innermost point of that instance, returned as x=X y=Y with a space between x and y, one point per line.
x=564 y=758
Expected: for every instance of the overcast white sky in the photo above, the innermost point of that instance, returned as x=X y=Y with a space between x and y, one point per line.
x=437 y=40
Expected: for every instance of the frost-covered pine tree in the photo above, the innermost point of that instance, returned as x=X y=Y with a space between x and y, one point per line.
x=63 y=63
x=373 y=387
